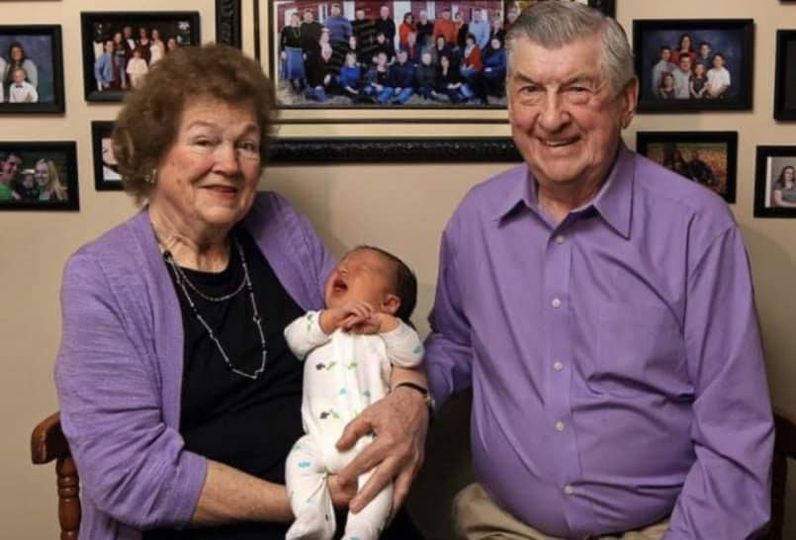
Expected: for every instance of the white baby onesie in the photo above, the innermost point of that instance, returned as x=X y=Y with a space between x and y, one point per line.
x=343 y=374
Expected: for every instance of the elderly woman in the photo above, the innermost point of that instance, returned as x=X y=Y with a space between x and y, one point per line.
x=783 y=192
x=179 y=396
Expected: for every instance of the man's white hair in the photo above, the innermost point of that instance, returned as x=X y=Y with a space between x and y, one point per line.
x=555 y=23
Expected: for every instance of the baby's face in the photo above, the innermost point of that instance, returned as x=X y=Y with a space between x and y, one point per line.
x=362 y=275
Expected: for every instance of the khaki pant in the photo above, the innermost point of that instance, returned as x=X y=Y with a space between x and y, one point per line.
x=477 y=517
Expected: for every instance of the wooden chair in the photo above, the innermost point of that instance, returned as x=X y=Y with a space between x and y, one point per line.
x=47 y=443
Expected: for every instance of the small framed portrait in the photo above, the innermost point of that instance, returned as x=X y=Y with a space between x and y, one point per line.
x=31 y=67
x=106 y=174
x=785 y=76
x=38 y=176
x=707 y=157
x=775 y=182
x=120 y=47
x=694 y=65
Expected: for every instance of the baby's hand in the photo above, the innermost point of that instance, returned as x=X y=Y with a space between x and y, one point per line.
x=376 y=324
x=345 y=316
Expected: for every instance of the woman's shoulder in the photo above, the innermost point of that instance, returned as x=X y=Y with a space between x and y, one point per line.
x=115 y=250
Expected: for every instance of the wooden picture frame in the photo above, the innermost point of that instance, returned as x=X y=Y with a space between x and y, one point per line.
x=709 y=158
x=43 y=176
x=41 y=88
x=105 y=76
x=771 y=176
x=671 y=84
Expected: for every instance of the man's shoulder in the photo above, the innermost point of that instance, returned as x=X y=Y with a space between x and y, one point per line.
x=668 y=195
x=488 y=198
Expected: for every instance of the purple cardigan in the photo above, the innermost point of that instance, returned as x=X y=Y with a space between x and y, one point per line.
x=119 y=368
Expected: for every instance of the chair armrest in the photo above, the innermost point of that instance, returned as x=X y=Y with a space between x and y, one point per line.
x=47 y=442
x=785 y=425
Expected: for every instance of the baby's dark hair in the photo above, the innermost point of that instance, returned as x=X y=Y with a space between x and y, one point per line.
x=405 y=283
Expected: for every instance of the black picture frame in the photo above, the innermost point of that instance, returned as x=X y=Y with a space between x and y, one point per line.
x=105 y=178
x=709 y=171
x=769 y=160
x=50 y=71
x=785 y=76
x=103 y=24
x=62 y=155
x=228 y=23
x=285 y=95
x=734 y=38
x=343 y=150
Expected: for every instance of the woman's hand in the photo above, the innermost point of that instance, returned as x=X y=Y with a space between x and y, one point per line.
x=399 y=422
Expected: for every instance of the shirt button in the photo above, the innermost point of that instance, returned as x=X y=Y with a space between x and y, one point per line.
x=559 y=426
x=558 y=366
x=556 y=303
x=560 y=239
x=569 y=490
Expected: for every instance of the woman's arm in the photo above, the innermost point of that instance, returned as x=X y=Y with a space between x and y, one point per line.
x=780 y=202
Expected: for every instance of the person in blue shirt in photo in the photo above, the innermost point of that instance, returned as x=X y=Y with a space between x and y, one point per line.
x=401 y=81
x=350 y=78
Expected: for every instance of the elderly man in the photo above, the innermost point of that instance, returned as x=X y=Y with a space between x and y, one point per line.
x=601 y=309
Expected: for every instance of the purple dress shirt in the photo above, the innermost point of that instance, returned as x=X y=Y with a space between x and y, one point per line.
x=615 y=357
x=119 y=368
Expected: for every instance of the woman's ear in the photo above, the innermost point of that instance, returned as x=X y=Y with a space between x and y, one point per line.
x=390 y=304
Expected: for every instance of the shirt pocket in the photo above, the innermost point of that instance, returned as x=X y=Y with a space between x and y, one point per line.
x=639 y=351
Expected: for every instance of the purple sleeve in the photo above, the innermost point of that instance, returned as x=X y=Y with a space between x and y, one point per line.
x=726 y=492
x=448 y=349
x=132 y=466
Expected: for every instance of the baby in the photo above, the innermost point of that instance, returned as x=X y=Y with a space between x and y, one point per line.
x=350 y=348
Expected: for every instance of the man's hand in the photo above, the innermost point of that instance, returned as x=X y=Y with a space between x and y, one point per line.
x=340 y=493
x=399 y=422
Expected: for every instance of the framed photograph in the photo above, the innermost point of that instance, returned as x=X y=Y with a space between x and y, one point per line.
x=694 y=65
x=709 y=158
x=329 y=54
x=106 y=175
x=31 y=67
x=119 y=47
x=38 y=176
x=775 y=182
x=785 y=76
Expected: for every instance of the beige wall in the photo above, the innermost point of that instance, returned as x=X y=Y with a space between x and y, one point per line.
x=400 y=207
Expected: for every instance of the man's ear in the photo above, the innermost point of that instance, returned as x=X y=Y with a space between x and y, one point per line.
x=390 y=304
x=629 y=101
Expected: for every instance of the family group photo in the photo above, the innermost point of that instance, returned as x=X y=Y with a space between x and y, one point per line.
x=37 y=176
x=30 y=69
x=693 y=65
x=345 y=53
x=119 y=49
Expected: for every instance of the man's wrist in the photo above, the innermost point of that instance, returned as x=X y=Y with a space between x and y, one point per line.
x=424 y=392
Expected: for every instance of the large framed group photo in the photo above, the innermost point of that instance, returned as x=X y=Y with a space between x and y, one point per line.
x=31 y=69
x=120 y=47
x=333 y=54
x=694 y=65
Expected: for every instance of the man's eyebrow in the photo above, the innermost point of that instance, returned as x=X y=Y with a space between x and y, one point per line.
x=575 y=79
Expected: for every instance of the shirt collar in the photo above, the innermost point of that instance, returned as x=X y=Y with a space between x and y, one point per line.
x=613 y=201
